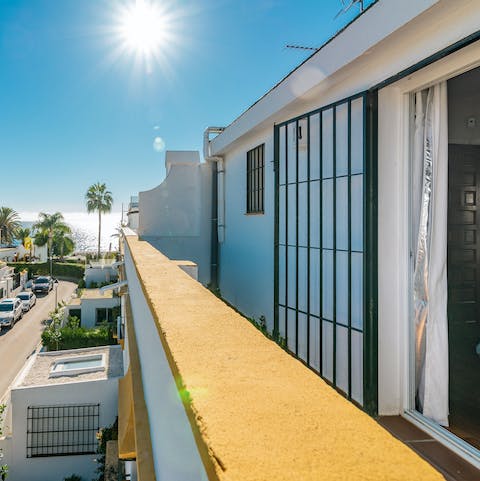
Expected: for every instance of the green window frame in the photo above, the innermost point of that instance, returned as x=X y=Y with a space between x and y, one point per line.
x=256 y=180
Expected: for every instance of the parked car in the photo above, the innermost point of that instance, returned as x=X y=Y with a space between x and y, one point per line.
x=29 y=299
x=10 y=311
x=42 y=284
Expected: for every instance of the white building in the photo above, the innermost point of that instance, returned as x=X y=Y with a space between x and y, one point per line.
x=99 y=273
x=132 y=213
x=328 y=238
x=9 y=254
x=6 y=280
x=340 y=193
x=58 y=407
x=93 y=307
x=176 y=216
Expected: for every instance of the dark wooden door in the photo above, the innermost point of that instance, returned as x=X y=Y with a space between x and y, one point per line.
x=464 y=290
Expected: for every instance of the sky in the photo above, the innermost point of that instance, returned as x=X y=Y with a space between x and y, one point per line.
x=81 y=102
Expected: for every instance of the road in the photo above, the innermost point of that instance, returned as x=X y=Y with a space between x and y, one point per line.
x=18 y=343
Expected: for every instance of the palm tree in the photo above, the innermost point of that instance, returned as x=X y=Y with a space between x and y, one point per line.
x=23 y=235
x=99 y=199
x=46 y=227
x=9 y=223
x=62 y=243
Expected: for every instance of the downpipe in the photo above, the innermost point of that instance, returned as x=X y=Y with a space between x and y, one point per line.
x=218 y=203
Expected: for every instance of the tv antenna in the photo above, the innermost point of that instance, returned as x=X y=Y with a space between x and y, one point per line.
x=348 y=4
x=301 y=47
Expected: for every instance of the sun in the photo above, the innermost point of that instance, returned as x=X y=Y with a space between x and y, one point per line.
x=143 y=28
x=151 y=35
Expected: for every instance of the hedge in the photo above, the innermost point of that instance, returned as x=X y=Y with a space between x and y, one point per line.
x=77 y=337
x=62 y=270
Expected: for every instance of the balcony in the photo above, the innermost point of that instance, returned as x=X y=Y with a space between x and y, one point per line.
x=208 y=396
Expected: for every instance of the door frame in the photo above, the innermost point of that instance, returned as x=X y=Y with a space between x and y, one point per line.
x=395 y=150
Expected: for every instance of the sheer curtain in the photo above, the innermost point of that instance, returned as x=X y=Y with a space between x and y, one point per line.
x=430 y=289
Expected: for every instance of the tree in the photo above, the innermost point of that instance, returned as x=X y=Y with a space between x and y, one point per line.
x=23 y=235
x=47 y=227
x=9 y=223
x=62 y=243
x=99 y=199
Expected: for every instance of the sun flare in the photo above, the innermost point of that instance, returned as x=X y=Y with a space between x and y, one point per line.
x=143 y=27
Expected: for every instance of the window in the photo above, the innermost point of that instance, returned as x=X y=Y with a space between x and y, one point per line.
x=62 y=430
x=255 y=179
x=75 y=313
x=104 y=314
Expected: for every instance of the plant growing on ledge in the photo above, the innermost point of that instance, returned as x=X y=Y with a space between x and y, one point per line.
x=109 y=433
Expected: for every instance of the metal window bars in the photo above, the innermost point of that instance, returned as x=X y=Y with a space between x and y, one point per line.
x=255 y=180
x=325 y=259
x=62 y=430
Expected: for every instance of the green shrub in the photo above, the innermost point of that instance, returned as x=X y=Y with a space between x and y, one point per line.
x=67 y=270
x=72 y=336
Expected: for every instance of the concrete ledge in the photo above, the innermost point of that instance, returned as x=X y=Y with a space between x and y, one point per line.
x=257 y=413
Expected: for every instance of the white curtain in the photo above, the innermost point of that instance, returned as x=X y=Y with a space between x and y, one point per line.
x=430 y=289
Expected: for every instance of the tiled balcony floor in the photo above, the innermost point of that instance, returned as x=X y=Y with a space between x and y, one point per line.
x=453 y=467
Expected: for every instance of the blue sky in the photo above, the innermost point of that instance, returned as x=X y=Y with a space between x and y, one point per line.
x=74 y=111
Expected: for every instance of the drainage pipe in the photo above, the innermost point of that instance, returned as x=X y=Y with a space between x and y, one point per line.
x=218 y=203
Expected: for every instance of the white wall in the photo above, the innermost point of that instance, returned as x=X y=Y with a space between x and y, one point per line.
x=55 y=468
x=133 y=219
x=100 y=274
x=246 y=272
x=175 y=216
x=89 y=307
x=175 y=452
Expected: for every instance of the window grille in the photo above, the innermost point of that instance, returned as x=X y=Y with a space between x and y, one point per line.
x=62 y=430
x=255 y=179
x=321 y=296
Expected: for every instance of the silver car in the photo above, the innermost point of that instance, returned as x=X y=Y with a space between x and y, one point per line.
x=29 y=299
x=10 y=311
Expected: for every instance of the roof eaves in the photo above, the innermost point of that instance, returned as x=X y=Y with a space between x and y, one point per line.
x=331 y=39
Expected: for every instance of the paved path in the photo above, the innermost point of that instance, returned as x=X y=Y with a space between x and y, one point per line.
x=18 y=343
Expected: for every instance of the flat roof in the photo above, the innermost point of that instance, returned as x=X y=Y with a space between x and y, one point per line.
x=259 y=412
x=39 y=372
x=96 y=294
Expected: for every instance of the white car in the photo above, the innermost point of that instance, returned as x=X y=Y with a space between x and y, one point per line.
x=10 y=311
x=29 y=299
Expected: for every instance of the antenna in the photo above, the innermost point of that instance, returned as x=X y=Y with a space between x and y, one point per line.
x=347 y=6
x=301 y=47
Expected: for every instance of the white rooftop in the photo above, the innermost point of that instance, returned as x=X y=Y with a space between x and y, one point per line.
x=40 y=372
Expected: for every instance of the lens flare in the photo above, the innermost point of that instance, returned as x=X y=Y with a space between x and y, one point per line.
x=143 y=27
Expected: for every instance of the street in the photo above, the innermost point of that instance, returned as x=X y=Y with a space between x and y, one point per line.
x=19 y=342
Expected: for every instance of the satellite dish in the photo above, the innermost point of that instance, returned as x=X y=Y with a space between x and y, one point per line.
x=348 y=4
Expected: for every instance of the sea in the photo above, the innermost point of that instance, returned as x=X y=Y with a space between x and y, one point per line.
x=85 y=229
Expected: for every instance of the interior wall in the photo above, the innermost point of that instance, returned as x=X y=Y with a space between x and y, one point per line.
x=464 y=108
